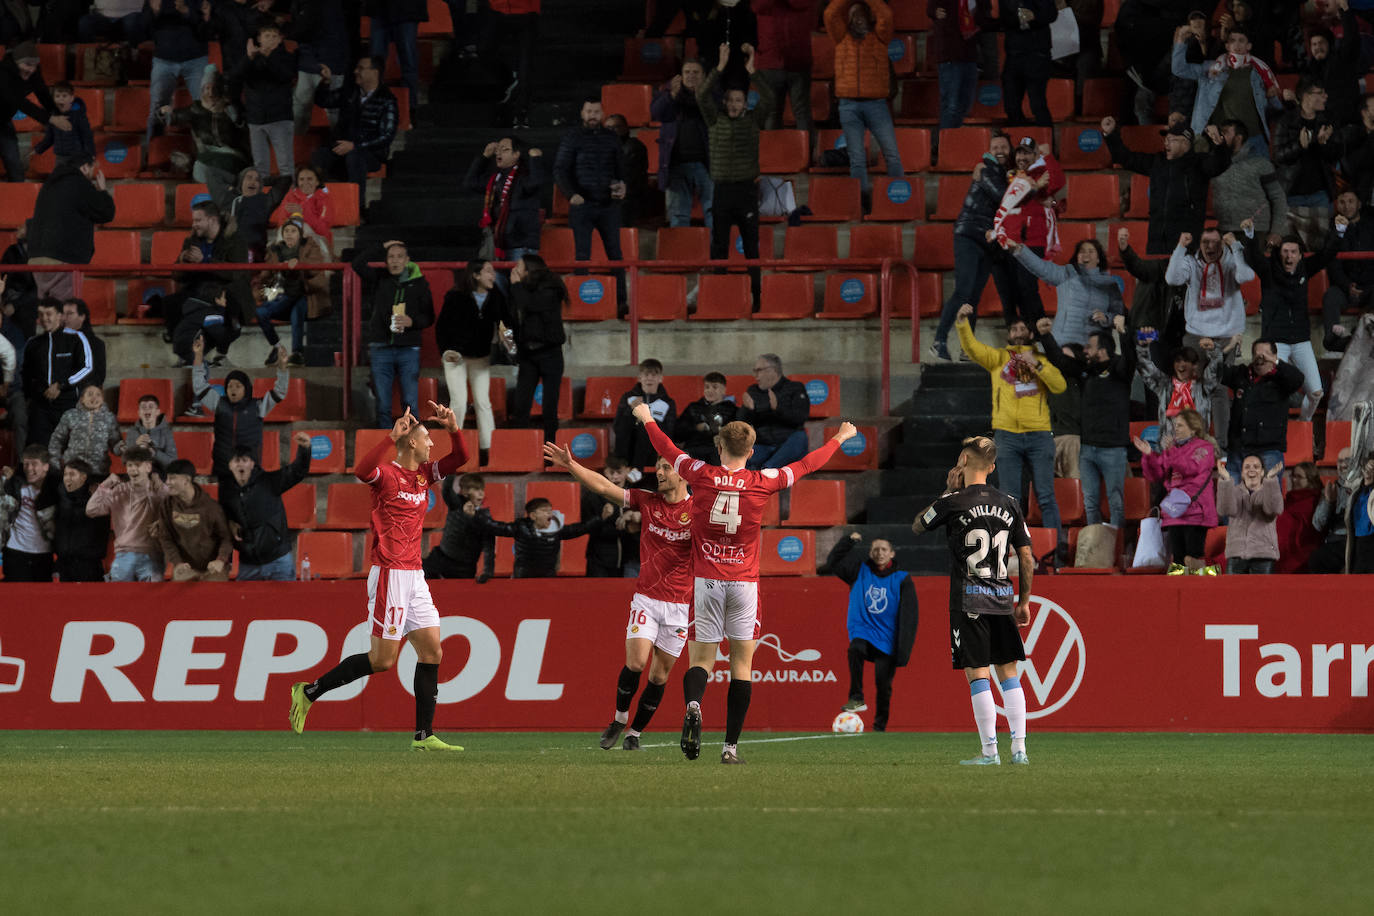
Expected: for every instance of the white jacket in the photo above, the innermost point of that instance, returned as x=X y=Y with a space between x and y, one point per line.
x=1217 y=323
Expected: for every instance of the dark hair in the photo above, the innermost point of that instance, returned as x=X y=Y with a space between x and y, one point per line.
x=37 y=450
x=589 y=100
x=138 y=454
x=516 y=144
x=1076 y=349
x=1243 y=29
x=307 y=167
x=80 y=464
x=149 y=397
x=651 y=365
x=61 y=86
x=465 y=278
x=1318 y=32
x=538 y=502
x=1097 y=246
x=1292 y=239
x=48 y=302
x=1188 y=353
x=1237 y=126
x=208 y=207
x=268 y=26
x=1269 y=342
x=713 y=378
x=616 y=463
x=1104 y=340
x=82 y=308
x=537 y=274
x=471 y=482
x=1307 y=84
x=181 y=466
x=241 y=451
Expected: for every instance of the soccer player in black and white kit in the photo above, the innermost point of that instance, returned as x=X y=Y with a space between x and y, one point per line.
x=983 y=525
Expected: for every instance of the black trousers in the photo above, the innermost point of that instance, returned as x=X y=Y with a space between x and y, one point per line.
x=605 y=219
x=80 y=569
x=543 y=365
x=736 y=203
x=522 y=28
x=1328 y=558
x=27 y=567
x=884 y=669
x=439 y=565
x=1026 y=75
x=1186 y=541
x=1027 y=305
x=44 y=415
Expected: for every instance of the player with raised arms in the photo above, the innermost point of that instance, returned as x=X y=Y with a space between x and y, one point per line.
x=983 y=525
x=727 y=512
x=659 y=610
x=398 y=602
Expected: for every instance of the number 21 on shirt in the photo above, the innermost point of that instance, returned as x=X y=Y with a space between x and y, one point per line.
x=981 y=541
x=725 y=511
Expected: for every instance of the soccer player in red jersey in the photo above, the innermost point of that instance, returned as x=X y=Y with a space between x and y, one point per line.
x=398 y=601
x=660 y=607
x=727 y=513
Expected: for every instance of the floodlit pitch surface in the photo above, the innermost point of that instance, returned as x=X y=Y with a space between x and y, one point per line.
x=233 y=822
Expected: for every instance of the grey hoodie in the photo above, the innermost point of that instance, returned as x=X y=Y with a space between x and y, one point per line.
x=1249 y=189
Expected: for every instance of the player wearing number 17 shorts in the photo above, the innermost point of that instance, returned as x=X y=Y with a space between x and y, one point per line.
x=662 y=600
x=398 y=601
x=727 y=515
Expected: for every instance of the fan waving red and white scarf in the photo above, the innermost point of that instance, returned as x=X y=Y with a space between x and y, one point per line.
x=1231 y=61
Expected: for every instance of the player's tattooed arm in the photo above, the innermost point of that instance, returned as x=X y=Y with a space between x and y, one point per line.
x=1025 y=573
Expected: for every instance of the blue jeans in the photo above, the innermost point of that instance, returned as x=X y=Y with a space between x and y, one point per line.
x=163 y=83
x=390 y=365
x=974 y=262
x=1095 y=465
x=958 y=85
x=775 y=456
x=1036 y=449
x=129 y=566
x=282 y=569
x=404 y=35
x=275 y=309
x=856 y=115
x=685 y=181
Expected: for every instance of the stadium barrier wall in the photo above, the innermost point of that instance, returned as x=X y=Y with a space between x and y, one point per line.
x=1271 y=653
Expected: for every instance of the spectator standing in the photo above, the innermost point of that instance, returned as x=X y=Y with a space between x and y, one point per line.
x=1200 y=47
x=397 y=22
x=777 y=407
x=465 y=332
x=321 y=33
x=609 y=547
x=18 y=292
x=1250 y=187
x=302 y=293
x=631 y=442
x=634 y=157
x=54 y=368
x=511 y=179
x=192 y=530
x=1178 y=180
x=1352 y=280
x=1359 y=523
x=71 y=203
x=181 y=31
x=251 y=212
x=1306 y=151
x=784 y=58
x=1066 y=413
x=132 y=506
x=537 y=298
x=402 y=307
x=369 y=115
x=1143 y=32
x=1033 y=222
x=464 y=540
x=76 y=316
x=28 y=508
x=268 y=73
x=10 y=394
x=236 y=23
x=112 y=20
x=1189 y=387
x=1251 y=507
x=1235 y=85
x=88 y=431
x=79 y=540
x=78 y=141
x=702 y=419
x=150 y=432
x=976 y=258
x=684 y=170
x=861 y=30
x=519 y=21
x=589 y=170
x=238 y=414
x=1026 y=71
x=1336 y=64
x=1329 y=518
x=253 y=508
x=20 y=79
x=1284 y=274
x=1089 y=297
x=1357 y=140
x=1184 y=467
x=952 y=43
x=1105 y=376
x=309 y=201
x=1021 y=382
x=220 y=137
x=734 y=157
x=1155 y=303
x=538 y=537
x=1259 y=412
x=881 y=621
x=1297 y=537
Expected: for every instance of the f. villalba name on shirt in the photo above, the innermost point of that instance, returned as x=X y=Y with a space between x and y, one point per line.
x=981 y=511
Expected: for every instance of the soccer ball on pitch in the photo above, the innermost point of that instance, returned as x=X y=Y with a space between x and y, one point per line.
x=847 y=723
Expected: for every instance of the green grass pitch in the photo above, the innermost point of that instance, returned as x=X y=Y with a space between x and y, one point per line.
x=328 y=822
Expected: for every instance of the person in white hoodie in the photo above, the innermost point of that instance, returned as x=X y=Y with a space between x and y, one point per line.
x=1213 y=308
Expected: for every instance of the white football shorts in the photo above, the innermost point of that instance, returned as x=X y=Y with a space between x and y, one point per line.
x=724 y=610
x=664 y=623
x=398 y=602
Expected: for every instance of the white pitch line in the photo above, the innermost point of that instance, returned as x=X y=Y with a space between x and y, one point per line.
x=771 y=740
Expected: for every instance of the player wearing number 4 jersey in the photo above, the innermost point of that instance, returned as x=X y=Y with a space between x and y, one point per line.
x=727 y=512
x=398 y=601
x=660 y=607
x=983 y=525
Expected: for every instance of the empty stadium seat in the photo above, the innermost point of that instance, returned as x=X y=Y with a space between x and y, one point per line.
x=783 y=152
x=1136 y=496
x=348 y=506
x=735 y=250
x=898 y=199
x=787 y=553
x=196 y=446
x=722 y=297
x=1068 y=495
x=961 y=148
x=330 y=554
x=823 y=391
x=572 y=558
x=857 y=453
x=786 y=296
x=834 y=199
x=822 y=56
x=934 y=248
x=1043 y=543
x=516 y=451
x=564 y=400
x=930 y=294
x=688 y=244
x=588 y=445
x=327 y=451
x=603 y=394
x=116 y=247
x=565 y=495
x=166 y=247
x=131 y=389
x=901 y=53
x=1083 y=148
x=300 y=508
x=816 y=504
x=16 y=204
x=913 y=145
x=652 y=59
x=290 y=409
x=1299 y=443
x=117 y=156
x=1337 y=438
x=1092 y=197
x=347 y=209
x=99 y=296
x=630 y=100
x=850 y=295
x=499 y=499
x=590 y=298
x=271 y=450
x=810 y=243
x=436 y=512
x=919 y=102
x=660 y=297
x=875 y=241
x=138 y=205
x=1101 y=97
x=1139 y=207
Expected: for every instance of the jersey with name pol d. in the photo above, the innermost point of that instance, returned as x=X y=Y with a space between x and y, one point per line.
x=983 y=526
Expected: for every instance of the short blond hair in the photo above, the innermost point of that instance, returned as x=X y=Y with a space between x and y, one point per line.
x=736 y=439
x=981 y=453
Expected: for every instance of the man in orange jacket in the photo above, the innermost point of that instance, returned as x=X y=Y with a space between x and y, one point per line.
x=861 y=30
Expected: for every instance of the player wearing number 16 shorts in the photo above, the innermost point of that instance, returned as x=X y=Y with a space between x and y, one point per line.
x=661 y=604
x=983 y=526
x=727 y=513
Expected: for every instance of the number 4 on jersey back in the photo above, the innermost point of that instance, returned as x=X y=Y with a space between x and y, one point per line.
x=725 y=511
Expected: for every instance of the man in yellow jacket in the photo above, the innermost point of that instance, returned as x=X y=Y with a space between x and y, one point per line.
x=861 y=30
x=1021 y=378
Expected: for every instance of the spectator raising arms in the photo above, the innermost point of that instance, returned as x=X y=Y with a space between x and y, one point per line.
x=88 y=431
x=71 y=203
x=220 y=137
x=1184 y=466
x=1251 y=506
x=1089 y=297
x=28 y=506
x=511 y=180
x=268 y=74
x=360 y=141
x=251 y=499
x=1259 y=411
x=133 y=506
x=238 y=415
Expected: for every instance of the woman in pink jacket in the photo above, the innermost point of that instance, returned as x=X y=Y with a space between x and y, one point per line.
x=1185 y=463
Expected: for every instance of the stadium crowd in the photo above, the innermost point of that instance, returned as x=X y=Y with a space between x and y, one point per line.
x=1257 y=185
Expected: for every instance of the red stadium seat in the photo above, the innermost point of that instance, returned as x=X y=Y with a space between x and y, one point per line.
x=834 y=199
x=630 y=100
x=735 y=250
x=787 y=296
x=590 y=298
x=875 y=241
x=516 y=451
x=99 y=296
x=858 y=453
x=499 y=498
x=138 y=205
x=603 y=394
x=934 y=248
x=1070 y=234
x=784 y=152
x=271 y=450
x=330 y=553
x=1137 y=498
x=787 y=553
x=186 y=196
x=850 y=295
x=1083 y=148
x=1140 y=231
x=93 y=99
x=565 y=495
x=910 y=17
x=930 y=295
x=16 y=204
x=1043 y=543
x=822 y=56
x=440 y=23
x=823 y=391
x=961 y=148
x=1068 y=494
x=1092 y=197
x=1299 y=443
x=1337 y=438
x=167 y=247
x=327 y=451
x=564 y=400
x=919 y=102
x=820 y=104
x=291 y=409
x=52 y=62
x=901 y=54
x=722 y=297
x=437 y=512
x=817 y=504
x=347 y=208
x=1059 y=95
x=117 y=156
x=556 y=244
x=572 y=558
x=587 y=444
x=116 y=247
x=949 y=197
x=348 y=506
x=810 y=243
x=913 y=145
x=196 y=446
x=1101 y=97
x=300 y=507
x=660 y=297
x=898 y=199
x=1140 y=198
x=688 y=244
x=131 y=389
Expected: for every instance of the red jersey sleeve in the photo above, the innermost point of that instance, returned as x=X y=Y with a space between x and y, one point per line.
x=455 y=459
x=687 y=467
x=795 y=471
x=365 y=468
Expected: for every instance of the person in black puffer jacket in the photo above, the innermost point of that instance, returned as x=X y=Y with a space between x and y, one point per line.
x=1259 y=413
x=71 y=203
x=464 y=541
x=538 y=537
x=238 y=415
x=79 y=540
x=1352 y=281
x=537 y=298
x=511 y=180
x=251 y=499
x=268 y=74
x=590 y=171
x=975 y=258
x=402 y=306
x=464 y=332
